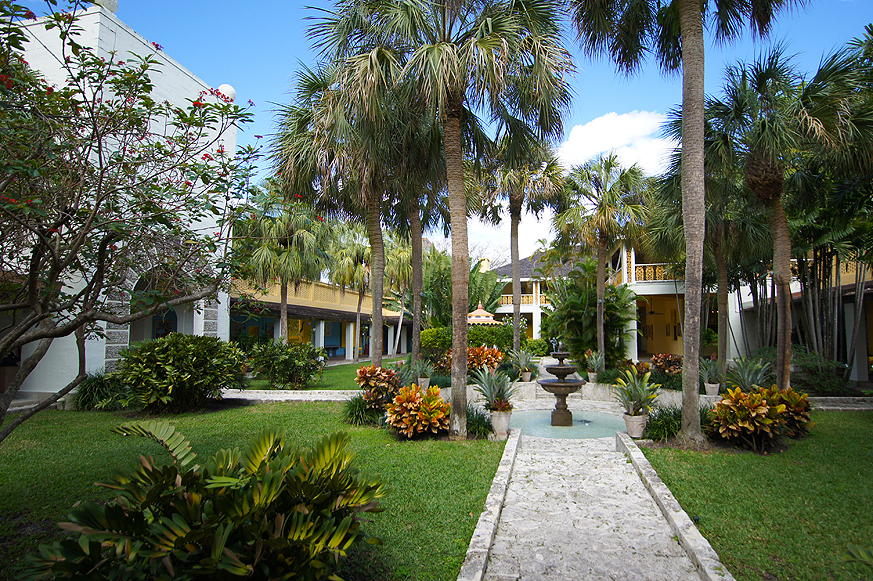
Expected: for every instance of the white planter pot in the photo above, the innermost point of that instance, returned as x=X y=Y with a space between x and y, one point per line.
x=711 y=388
x=635 y=425
x=592 y=377
x=525 y=376
x=423 y=383
x=500 y=423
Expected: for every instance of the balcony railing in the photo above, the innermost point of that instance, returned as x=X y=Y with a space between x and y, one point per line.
x=652 y=272
x=506 y=300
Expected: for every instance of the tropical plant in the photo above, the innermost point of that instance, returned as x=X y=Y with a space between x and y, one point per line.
x=538 y=347
x=413 y=412
x=595 y=361
x=627 y=31
x=358 y=412
x=663 y=423
x=667 y=363
x=398 y=272
x=495 y=388
x=180 y=373
x=380 y=385
x=747 y=373
x=634 y=392
x=350 y=268
x=220 y=519
x=92 y=195
x=605 y=210
x=499 y=336
x=436 y=342
x=797 y=409
x=748 y=417
x=709 y=370
x=522 y=361
x=478 y=422
x=289 y=366
x=421 y=368
x=102 y=391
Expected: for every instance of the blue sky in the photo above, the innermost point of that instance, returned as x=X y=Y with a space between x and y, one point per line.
x=258 y=46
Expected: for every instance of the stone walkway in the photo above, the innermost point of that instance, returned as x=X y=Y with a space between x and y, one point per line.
x=576 y=509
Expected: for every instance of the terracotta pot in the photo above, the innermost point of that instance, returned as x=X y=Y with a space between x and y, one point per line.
x=711 y=388
x=635 y=425
x=423 y=383
x=525 y=376
x=500 y=423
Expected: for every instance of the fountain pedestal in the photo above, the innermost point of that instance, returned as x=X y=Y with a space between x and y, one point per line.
x=561 y=388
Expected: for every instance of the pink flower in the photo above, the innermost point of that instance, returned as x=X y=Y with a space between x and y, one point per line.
x=30 y=15
x=259 y=136
x=251 y=103
x=157 y=46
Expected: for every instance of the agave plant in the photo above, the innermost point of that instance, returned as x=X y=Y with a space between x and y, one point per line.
x=595 y=360
x=709 y=371
x=496 y=388
x=634 y=392
x=748 y=373
x=521 y=360
x=421 y=368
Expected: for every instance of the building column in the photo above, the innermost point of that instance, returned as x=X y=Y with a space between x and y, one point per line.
x=318 y=333
x=537 y=321
x=860 y=369
x=390 y=346
x=631 y=350
x=350 y=340
x=404 y=339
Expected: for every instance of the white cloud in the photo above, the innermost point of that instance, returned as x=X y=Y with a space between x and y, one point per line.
x=633 y=136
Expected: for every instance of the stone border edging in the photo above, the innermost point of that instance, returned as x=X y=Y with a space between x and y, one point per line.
x=476 y=562
x=701 y=553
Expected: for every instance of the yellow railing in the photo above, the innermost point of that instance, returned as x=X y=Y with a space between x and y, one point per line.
x=506 y=300
x=651 y=272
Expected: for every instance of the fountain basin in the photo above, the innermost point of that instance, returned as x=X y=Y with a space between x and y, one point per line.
x=585 y=425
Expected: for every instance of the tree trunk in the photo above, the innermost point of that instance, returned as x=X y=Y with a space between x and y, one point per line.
x=356 y=343
x=782 y=279
x=399 y=322
x=693 y=210
x=283 y=311
x=460 y=264
x=601 y=290
x=515 y=219
x=377 y=255
x=722 y=300
x=417 y=279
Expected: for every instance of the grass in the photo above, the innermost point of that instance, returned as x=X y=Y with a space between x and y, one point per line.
x=436 y=488
x=787 y=515
x=334 y=377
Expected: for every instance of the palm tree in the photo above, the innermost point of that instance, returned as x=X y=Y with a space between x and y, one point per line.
x=398 y=271
x=527 y=174
x=606 y=210
x=626 y=31
x=350 y=269
x=290 y=245
x=770 y=117
x=460 y=56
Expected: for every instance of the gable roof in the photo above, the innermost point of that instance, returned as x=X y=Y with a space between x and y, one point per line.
x=529 y=267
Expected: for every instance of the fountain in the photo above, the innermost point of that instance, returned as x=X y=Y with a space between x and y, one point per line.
x=561 y=388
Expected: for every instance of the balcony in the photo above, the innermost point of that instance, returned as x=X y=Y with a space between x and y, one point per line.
x=653 y=272
x=506 y=300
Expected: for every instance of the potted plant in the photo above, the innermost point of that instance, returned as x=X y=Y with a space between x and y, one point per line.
x=594 y=361
x=709 y=373
x=421 y=369
x=523 y=362
x=496 y=389
x=636 y=395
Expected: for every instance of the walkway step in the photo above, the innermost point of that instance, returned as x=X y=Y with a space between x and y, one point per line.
x=575 y=509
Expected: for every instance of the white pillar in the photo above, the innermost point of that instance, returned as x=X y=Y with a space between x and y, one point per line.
x=404 y=339
x=350 y=340
x=631 y=351
x=318 y=333
x=537 y=321
x=859 y=365
x=390 y=340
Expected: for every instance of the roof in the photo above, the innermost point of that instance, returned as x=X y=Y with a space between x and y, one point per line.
x=529 y=266
x=295 y=310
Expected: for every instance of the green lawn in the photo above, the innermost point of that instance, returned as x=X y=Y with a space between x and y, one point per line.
x=436 y=488
x=786 y=515
x=334 y=377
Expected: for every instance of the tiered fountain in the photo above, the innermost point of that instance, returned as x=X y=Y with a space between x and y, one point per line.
x=561 y=388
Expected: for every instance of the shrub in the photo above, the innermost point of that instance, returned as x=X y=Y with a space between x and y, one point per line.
x=797 y=409
x=538 y=347
x=436 y=342
x=357 y=412
x=247 y=342
x=269 y=511
x=749 y=418
x=667 y=380
x=180 y=373
x=380 y=385
x=478 y=422
x=289 y=365
x=667 y=363
x=499 y=336
x=102 y=391
x=413 y=413
x=663 y=423
x=441 y=381
x=477 y=358
x=608 y=376
x=817 y=373
x=748 y=373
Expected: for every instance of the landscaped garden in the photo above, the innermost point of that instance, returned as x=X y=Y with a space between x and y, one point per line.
x=436 y=488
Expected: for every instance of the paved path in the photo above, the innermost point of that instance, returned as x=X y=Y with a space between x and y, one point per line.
x=576 y=509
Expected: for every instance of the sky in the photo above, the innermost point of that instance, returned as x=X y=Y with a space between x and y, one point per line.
x=258 y=46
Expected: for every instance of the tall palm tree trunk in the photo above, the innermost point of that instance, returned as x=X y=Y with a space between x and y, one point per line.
x=515 y=219
x=693 y=210
x=782 y=278
x=460 y=265
x=722 y=300
x=377 y=253
x=601 y=290
x=417 y=279
x=283 y=310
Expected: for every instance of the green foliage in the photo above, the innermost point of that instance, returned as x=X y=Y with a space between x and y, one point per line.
x=538 y=347
x=709 y=370
x=608 y=376
x=413 y=412
x=667 y=363
x=667 y=380
x=816 y=373
x=756 y=419
x=522 y=360
x=246 y=342
x=289 y=365
x=663 y=423
x=270 y=510
x=380 y=385
x=478 y=422
x=594 y=360
x=572 y=317
x=634 y=392
x=797 y=409
x=499 y=336
x=180 y=373
x=358 y=412
x=485 y=287
x=102 y=391
x=496 y=388
x=747 y=373
x=436 y=342
x=420 y=368
x=441 y=380
x=856 y=554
